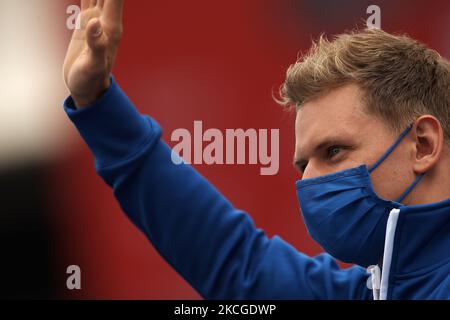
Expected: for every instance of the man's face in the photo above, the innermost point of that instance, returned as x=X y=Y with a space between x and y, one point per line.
x=334 y=133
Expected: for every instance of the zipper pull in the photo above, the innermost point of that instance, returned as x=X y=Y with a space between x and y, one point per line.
x=374 y=281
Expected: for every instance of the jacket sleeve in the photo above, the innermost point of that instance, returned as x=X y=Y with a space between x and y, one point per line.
x=214 y=246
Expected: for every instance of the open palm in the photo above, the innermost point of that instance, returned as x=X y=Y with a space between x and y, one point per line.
x=92 y=50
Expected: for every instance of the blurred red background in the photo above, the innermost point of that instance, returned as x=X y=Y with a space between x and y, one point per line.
x=217 y=62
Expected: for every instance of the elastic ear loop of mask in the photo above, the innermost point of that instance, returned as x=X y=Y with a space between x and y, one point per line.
x=407 y=191
x=390 y=150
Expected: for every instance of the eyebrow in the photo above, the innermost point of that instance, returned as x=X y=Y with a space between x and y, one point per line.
x=299 y=161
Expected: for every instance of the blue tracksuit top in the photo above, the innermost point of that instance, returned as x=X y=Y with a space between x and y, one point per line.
x=216 y=247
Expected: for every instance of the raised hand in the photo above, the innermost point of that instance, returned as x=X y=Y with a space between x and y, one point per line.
x=92 y=50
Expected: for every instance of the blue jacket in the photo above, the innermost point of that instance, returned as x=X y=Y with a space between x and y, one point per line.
x=216 y=247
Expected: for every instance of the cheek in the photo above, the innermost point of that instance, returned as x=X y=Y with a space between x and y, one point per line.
x=390 y=181
x=384 y=184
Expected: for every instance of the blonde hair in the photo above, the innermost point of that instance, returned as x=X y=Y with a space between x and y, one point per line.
x=401 y=79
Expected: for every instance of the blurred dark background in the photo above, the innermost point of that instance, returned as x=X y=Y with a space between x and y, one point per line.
x=179 y=62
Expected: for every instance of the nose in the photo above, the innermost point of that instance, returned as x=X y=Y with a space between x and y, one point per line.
x=310 y=171
x=316 y=169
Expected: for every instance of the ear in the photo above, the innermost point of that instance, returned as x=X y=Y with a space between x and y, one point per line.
x=428 y=136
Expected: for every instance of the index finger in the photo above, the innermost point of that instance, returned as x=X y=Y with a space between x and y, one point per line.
x=84 y=4
x=113 y=10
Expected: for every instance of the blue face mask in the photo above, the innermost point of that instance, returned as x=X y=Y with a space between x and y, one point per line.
x=344 y=214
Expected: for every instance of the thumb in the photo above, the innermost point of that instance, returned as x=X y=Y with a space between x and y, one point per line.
x=95 y=36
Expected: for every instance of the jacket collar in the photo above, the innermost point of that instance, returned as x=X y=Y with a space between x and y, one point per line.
x=422 y=238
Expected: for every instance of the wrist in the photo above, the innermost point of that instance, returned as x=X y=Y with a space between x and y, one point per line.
x=82 y=101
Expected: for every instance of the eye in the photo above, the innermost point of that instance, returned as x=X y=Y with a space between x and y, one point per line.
x=333 y=151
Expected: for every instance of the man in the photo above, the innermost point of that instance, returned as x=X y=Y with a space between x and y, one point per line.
x=373 y=145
